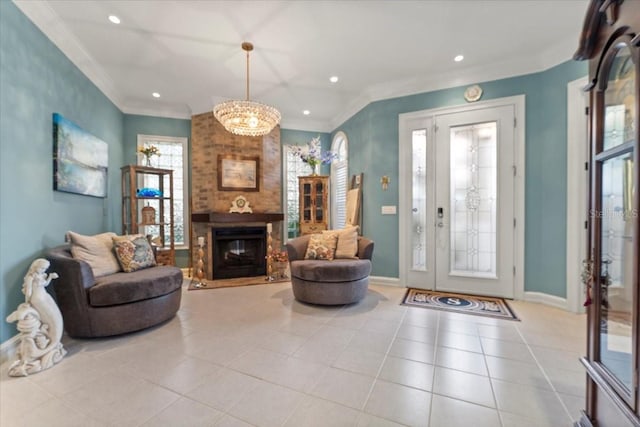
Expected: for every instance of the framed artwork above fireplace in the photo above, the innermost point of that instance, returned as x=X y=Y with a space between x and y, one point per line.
x=238 y=173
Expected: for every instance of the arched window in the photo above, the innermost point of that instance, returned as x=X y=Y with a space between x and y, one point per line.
x=339 y=181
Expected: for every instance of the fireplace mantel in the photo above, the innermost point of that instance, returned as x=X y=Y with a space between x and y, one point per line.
x=225 y=217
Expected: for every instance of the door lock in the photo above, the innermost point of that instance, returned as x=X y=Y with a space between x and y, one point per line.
x=440 y=213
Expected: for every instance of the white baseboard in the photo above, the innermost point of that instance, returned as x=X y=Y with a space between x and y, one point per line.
x=8 y=348
x=550 y=300
x=386 y=281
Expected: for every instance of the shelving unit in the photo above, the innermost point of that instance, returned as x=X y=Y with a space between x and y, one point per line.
x=161 y=229
x=314 y=203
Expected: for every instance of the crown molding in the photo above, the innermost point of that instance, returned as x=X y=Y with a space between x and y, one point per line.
x=48 y=21
x=558 y=53
x=351 y=110
x=309 y=125
x=157 y=110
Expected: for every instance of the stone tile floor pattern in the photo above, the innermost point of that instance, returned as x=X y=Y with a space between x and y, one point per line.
x=253 y=356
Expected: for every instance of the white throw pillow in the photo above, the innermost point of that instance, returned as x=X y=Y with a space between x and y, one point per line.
x=347 y=246
x=96 y=250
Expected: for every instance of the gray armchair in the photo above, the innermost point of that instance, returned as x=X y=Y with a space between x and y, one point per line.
x=335 y=282
x=112 y=304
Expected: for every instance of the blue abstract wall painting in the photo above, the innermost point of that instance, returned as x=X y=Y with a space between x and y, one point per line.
x=80 y=160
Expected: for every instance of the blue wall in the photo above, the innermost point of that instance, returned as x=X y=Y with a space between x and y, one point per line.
x=373 y=149
x=147 y=125
x=37 y=80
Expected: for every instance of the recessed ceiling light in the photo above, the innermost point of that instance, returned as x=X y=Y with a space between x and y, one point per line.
x=306 y=112
x=114 y=19
x=458 y=58
x=333 y=79
x=156 y=95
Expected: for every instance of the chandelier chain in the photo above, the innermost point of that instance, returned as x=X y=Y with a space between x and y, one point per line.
x=247 y=74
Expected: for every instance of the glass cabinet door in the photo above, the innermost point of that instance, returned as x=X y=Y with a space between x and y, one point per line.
x=319 y=206
x=306 y=201
x=617 y=217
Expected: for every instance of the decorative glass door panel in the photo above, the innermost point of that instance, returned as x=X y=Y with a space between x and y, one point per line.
x=473 y=199
x=474 y=202
x=459 y=232
x=419 y=199
x=417 y=203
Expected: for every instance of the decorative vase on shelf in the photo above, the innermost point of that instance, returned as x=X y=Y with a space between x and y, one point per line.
x=147 y=161
x=315 y=169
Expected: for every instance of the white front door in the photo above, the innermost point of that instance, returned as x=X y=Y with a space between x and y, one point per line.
x=460 y=206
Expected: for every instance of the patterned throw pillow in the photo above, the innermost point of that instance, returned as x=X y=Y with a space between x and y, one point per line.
x=347 y=246
x=134 y=252
x=321 y=246
x=96 y=250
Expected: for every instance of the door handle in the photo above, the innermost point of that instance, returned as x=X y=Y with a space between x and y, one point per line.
x=440 y=224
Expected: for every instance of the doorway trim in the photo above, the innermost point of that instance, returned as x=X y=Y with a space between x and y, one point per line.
x=404 y=158
x=577 y=177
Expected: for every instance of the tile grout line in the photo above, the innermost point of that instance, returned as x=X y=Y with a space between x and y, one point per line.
x=539 y=365
x=386 y=355
x=433 y=376
x=305 y=393
x=493 y=391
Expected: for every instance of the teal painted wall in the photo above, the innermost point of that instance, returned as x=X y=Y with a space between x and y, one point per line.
x=373 y=149
x=37 y=80
x=159 y=126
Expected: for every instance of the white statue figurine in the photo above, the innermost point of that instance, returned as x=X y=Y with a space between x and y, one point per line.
x=39 y=323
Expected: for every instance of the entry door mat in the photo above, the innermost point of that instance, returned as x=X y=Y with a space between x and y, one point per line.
x=460 y=303
x=231 y=283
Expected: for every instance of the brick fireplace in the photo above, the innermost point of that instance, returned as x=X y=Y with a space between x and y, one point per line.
x=210 y=206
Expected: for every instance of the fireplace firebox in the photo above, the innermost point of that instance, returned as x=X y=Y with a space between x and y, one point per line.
x=238 y=251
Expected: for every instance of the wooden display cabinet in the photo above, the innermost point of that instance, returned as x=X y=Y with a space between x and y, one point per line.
x=138 y=218
x=610 y=41
x=314 y=203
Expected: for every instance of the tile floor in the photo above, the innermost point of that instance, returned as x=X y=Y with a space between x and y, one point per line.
x=253 y=356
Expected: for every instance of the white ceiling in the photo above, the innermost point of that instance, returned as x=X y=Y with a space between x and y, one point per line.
x=189 y=51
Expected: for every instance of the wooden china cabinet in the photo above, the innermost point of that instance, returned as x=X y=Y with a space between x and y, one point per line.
x=314 y=203
x=610 y=41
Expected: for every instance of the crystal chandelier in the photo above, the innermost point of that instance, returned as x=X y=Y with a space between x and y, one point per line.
x=247 y=117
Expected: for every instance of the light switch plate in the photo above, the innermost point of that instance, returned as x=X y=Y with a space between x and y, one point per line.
x=388 y=210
